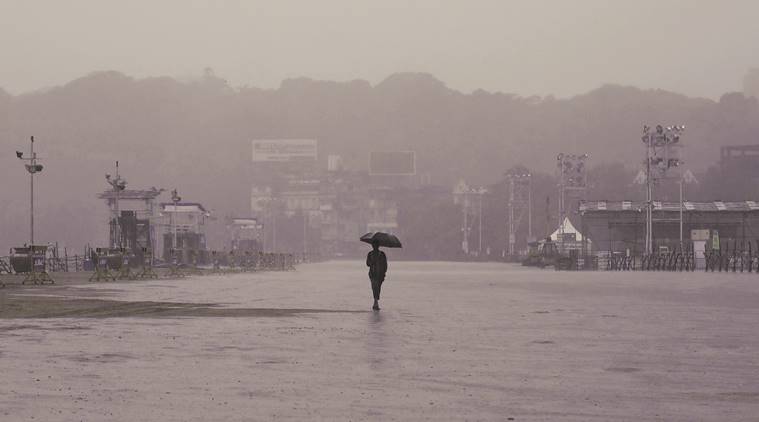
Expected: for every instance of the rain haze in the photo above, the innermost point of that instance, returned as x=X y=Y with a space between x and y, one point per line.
x=562 y=48
x=390 y=210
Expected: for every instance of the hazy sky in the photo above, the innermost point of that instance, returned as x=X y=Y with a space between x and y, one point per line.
x=560 y=47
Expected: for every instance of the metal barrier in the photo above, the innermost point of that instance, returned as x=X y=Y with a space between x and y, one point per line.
x=108 y=264
x=5 y=265
x=668 y=261
x=736 y=261
x=725 y=259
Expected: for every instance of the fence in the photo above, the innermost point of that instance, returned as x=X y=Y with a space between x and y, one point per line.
x=52 y=264
x=240 y=262
x=725 y=259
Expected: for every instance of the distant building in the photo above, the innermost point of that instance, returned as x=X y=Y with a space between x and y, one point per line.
x=184 y=230
x=382 y=211
x=245 y=234
x=304 y=207
x=739 y=162
x=620 y=226
x=332 y=209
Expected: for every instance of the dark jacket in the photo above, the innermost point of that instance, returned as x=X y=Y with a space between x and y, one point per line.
x=377 y=263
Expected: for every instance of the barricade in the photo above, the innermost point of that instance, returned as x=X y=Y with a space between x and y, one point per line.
x=147 y=265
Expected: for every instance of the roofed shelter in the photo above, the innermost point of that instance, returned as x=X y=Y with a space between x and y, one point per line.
x=620 y=226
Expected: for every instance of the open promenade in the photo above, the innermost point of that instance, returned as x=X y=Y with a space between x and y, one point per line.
x=453 y=341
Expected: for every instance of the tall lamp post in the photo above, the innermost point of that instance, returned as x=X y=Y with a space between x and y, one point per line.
x=465 y=229
x=481 y=191
x=33 y=167
x=175 y=198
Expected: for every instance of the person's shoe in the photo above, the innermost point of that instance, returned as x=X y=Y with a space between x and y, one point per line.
x=376 y=307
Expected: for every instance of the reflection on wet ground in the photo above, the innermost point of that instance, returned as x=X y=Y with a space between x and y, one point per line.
x=453 y=342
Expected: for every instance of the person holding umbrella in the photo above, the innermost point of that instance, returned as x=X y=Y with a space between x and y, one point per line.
x=377 y=261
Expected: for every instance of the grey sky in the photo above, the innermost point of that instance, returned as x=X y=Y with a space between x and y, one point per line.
x=701 y=48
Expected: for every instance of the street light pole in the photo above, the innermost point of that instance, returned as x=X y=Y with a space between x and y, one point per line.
x=116 y=208
x=479 y=237
x=512 y=229
x=33 y=158
x=175 y=198
x=529 y=209
x=465 y=243
x=649 y=199
x=33 y=167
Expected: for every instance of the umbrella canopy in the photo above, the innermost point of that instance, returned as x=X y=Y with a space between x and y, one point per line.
x=385 y=239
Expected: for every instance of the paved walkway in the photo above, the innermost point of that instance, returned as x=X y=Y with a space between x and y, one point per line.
x=453 y=342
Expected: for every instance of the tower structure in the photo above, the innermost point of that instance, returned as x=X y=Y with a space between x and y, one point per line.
x=662 y=153
x=519 y=204
x=573 y=182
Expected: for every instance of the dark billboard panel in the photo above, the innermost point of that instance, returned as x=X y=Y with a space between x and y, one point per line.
x=392 y=163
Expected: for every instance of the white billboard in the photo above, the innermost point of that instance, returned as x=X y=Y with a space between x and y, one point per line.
x=284 y=150
x=392 y=163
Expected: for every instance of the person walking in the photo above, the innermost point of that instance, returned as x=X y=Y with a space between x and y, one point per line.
x=377 y=263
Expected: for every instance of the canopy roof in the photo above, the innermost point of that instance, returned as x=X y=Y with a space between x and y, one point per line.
x=568 y=228
x=688 y=206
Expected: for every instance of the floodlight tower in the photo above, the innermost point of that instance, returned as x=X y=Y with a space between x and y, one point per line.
x=519 y=203
x=573 y=179
x=661 y=155
x=118 y=184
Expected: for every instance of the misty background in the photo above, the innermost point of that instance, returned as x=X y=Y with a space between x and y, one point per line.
x=699 y=48
x=175 y=91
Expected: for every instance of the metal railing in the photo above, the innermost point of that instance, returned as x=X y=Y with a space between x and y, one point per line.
x=221 y=262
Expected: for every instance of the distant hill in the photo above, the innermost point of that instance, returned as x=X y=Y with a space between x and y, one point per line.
x=196 y=135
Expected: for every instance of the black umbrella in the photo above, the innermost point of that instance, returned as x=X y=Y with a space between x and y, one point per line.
x=385 y=239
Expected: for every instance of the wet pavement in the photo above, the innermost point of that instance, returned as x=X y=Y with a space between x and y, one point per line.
x=452 y=342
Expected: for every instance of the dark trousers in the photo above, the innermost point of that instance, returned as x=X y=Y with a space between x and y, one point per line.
x=376 y=287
